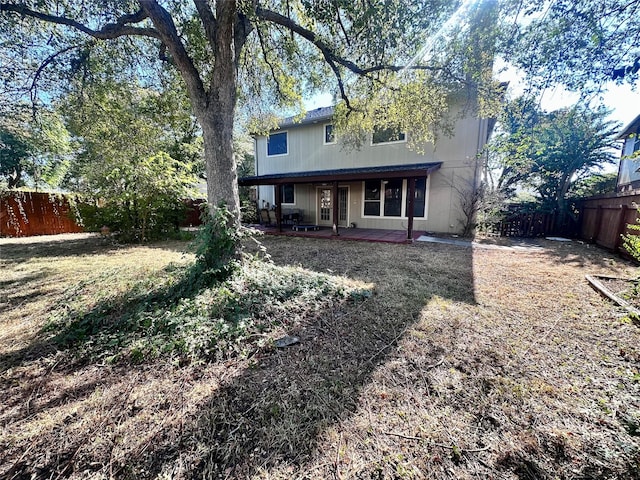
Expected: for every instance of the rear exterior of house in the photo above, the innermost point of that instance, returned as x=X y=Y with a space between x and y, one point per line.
x=628 y=171
x=304 y=168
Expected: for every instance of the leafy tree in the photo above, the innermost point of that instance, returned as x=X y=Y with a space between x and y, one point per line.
x=131 y=158
x=581 y=45
x=550 y=152
x=595 y=184
x=266 y=54
x=33 y=150
x=15 y=151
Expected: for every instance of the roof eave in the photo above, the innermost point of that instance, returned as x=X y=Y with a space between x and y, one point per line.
x=347 y=175
x=629 y=129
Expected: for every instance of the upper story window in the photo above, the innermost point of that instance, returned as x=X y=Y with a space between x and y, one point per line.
x=636 y=142
x=388 y=135
x=277 y=144
x=329 y=134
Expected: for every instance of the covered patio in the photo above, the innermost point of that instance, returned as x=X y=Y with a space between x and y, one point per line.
x=332 y=178
x=354 y=234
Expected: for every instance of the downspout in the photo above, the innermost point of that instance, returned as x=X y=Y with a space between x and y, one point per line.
x=256 y=167
x=482 y=134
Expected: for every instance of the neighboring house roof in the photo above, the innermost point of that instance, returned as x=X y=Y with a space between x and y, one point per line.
x=629 y=129
x=343 y=174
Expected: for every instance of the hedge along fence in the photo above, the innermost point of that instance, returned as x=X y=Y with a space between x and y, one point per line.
x=23 y=214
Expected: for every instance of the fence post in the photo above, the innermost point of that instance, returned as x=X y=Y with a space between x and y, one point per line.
x=596 y=230
x=622 y=224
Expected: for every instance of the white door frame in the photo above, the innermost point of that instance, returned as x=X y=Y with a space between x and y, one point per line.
x=317 y=200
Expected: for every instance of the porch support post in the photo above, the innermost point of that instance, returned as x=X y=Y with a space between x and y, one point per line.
x=334 y=204
x=412 y=200
x=279 y=206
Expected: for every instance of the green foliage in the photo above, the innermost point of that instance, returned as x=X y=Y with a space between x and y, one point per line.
x=170 y=315
x=550 y=152
x=139 y=200
x=631 y=242
x=33 y=149
x=420 y=104
x=595 y=184
x=248 y=211
x=136 y=161
x=216 y=244
x=577 y=44
x=15 y=150
x=245 y=163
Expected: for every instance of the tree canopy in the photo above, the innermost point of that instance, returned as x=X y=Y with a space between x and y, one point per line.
x=383 y=56
x=33 y=150
x=551 y=152
x=391 y=62
x=137 y=151
x=580 y=45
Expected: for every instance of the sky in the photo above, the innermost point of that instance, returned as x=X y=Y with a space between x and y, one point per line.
x=623 y=102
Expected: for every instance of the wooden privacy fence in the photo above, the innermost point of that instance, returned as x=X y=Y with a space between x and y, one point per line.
x=604 y=219
x=527 y=225
x=23 y=214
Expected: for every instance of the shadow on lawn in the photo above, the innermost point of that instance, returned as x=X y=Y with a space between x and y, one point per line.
x=20 y=250
x=273 y=412
x=28 y=249
x=108 y=327
x=578 y=252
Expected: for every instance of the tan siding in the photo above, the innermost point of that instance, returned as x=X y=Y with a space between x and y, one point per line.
x=307 y=152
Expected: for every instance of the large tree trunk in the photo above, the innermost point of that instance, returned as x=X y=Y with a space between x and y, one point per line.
x=565 y=183
x=213 y=104
x=217 y=132
x=217 y=116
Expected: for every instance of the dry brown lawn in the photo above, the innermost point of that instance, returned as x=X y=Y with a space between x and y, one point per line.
x=463 y=364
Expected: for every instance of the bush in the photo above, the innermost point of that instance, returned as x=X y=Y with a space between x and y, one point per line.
x=141 y=200
x=631 y=243
x=248 y=211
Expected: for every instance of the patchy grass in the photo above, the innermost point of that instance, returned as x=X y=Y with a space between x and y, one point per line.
x=462 y=364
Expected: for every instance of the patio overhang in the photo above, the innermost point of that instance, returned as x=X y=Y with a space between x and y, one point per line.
x=415 y=170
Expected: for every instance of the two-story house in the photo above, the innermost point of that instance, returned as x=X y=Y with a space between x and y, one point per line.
x=628 y=171
x=303 y=166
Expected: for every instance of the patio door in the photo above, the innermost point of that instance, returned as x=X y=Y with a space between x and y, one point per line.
x=325 y=206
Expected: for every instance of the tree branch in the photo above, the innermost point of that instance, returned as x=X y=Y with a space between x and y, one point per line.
x=168 y=33
x=208 y=20
x=109 y=31
x=44 y=65
x=327 y=50
x=339 y=18
x=343 y=93
x=265 y=54
x=241 y=31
